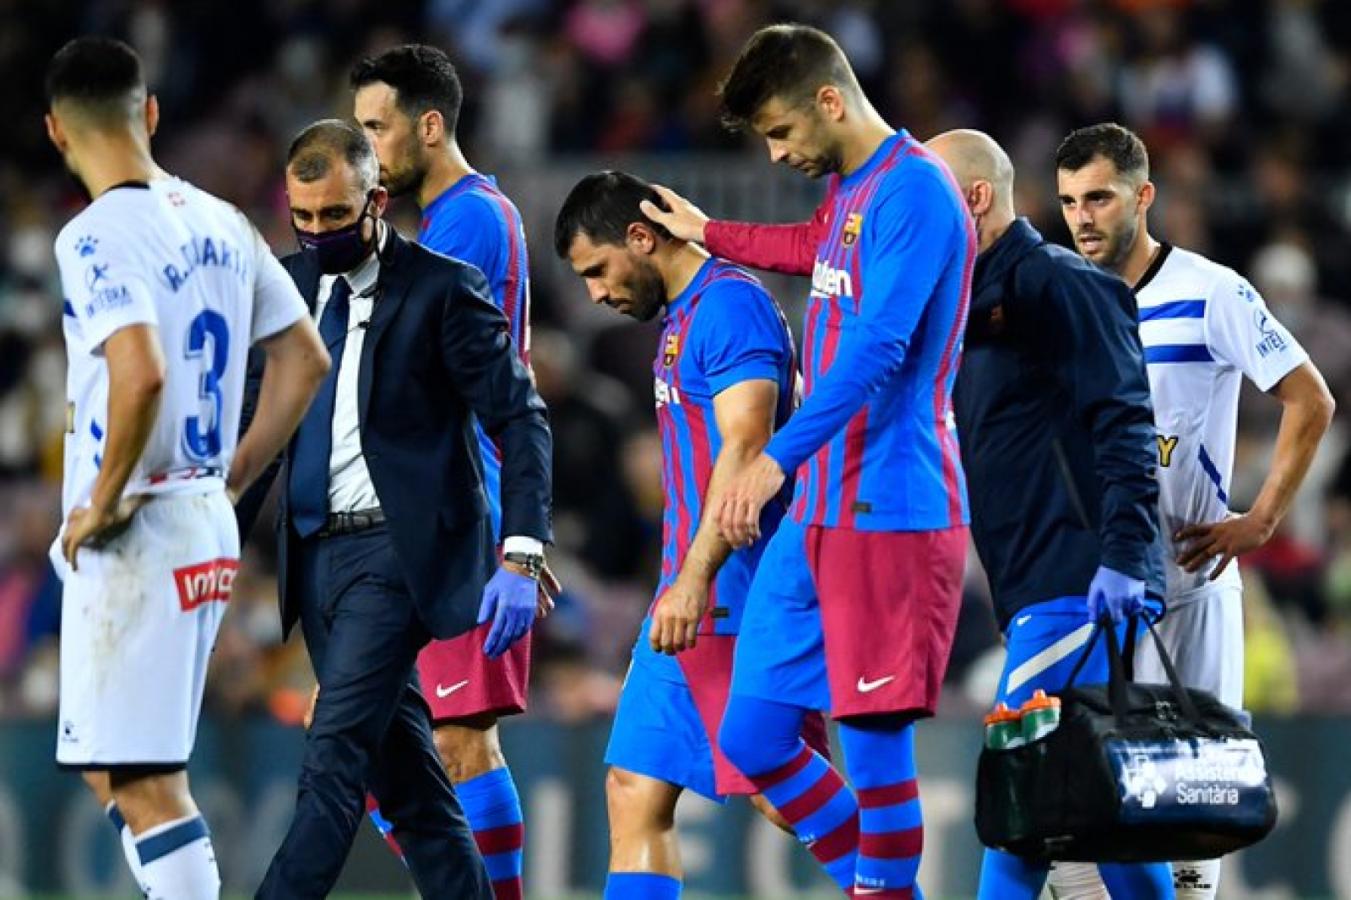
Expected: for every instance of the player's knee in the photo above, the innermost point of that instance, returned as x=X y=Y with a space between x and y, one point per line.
x=638 y=804
x=468 y=749
x=744 y=746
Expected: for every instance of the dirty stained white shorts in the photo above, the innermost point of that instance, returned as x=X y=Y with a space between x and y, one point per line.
x=138 y=623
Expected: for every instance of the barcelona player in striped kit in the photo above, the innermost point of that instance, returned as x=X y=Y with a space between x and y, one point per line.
x=855 y=603
x=407 y=101
x=724 y=379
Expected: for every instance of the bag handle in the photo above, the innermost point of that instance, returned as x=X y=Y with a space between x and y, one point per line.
x=1184 y=700
x=1120 y=668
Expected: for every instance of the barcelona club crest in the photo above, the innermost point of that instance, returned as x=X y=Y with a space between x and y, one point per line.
x=671 y=350
x=853 y=225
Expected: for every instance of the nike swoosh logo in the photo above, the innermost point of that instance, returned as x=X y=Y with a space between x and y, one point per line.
x=1022 y=620
x=444 y=692
x=867 y=687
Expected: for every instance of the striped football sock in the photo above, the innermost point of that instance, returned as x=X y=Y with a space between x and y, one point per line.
x=493 y=808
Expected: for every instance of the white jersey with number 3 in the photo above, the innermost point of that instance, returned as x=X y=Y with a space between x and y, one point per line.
x=172 y=256
x=1204 y=328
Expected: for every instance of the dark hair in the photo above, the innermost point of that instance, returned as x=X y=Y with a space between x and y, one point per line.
x=423 y=79
x=787 y=61
x=602 y=206
x=100 y=74
x=1115 y=143
x=316 y=148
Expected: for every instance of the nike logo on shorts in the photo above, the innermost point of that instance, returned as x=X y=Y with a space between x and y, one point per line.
x=444 y=692
x=867 y=687
x=1022 y=620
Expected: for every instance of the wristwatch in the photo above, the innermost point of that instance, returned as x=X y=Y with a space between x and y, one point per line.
x=533 y=563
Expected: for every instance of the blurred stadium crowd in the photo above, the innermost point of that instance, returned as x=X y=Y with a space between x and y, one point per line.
x=1242 y=103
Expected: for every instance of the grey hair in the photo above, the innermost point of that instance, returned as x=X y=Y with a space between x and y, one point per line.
x=321 y=144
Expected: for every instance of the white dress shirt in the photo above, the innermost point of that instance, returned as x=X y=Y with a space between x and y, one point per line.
x=349 y=481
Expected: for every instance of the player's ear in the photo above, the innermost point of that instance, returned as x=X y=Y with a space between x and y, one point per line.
x=431 y=128
x=830 y=101
x=151 y=114
x=640 y=238
x=55 y=132
x=1145 y=196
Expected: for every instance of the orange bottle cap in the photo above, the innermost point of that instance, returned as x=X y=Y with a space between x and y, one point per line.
x=1041 y=701
x=1002 y=713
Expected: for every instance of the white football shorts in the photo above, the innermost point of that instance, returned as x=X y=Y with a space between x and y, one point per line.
x=138 y=623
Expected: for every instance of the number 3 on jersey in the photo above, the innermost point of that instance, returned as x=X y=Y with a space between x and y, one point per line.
x=201 y=433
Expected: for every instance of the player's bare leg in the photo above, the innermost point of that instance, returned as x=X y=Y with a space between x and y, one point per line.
x=642 y=825
x=169 y=833
x=643 y=836
x=471 y=752
x=469 y=747
x=99 y=783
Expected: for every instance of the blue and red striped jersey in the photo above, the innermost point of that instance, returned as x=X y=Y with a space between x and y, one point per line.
x=723 y=329
x=874 y=445
x=474 y=222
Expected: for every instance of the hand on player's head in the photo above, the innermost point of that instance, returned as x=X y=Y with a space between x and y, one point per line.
x=680 y=217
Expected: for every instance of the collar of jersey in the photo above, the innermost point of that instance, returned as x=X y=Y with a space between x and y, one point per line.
x=458 y=187
x=694 y=287
x=881 y=153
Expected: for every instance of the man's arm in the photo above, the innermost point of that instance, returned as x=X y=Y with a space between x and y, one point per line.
x=745 y=416
x=295 y=366
x=913 y=236
x=1093 y=316
x=494 y=382
x=790 y=249
x=135 y=383
x=1241 y=331
x=1307 y=412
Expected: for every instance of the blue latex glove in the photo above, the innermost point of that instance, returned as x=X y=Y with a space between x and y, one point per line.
x=1114 y=595
x=509 y=599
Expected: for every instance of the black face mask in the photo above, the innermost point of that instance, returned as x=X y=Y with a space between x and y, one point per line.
x=342 y=249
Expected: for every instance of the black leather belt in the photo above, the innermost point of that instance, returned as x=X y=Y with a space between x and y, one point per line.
x=349 y=522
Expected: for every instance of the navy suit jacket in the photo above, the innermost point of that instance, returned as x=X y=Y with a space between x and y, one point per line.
x=437 y=354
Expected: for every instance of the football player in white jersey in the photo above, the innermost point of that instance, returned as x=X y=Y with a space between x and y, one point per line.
x=165 y=287
x=1204 y=328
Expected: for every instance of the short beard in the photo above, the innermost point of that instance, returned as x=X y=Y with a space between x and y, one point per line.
x=408 y=181
x=1121 y=244
x=832 y=160
x=648 y=292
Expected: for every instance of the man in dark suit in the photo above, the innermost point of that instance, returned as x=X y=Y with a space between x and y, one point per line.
x=385 y=540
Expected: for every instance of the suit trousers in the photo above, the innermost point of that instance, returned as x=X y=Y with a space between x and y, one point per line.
x=371 y=730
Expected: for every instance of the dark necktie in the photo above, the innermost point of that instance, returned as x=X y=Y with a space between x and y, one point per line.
x=307 y=489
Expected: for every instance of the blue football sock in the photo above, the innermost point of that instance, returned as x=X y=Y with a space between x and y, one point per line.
x=493 y=808
x=764 y=740
x=641 y=886
x=880 y=758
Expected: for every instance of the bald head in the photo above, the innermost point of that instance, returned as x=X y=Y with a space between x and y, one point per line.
x=975 y=156
x=985 y=176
